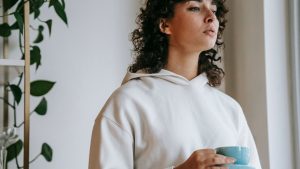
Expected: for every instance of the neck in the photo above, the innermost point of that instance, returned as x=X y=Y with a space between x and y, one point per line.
x=183 y=63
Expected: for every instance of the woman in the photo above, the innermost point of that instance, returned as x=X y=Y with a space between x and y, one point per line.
x=168 y=113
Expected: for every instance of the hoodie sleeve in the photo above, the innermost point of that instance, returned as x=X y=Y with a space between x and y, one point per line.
x=111 y=146
x=112 y=142
x=246 y=139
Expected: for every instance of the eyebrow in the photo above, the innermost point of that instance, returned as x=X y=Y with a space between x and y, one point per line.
x=192 y=0
x=213 y=2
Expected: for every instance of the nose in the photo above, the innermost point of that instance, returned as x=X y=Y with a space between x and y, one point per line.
x=210 y=16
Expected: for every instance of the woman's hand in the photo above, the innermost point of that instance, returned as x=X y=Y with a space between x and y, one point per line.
x=205 y=159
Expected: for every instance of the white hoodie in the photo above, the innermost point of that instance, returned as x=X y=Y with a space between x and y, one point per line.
x=156 y=121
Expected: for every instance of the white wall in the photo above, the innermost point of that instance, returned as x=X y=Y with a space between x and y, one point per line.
x=257 y=65
x=88 y=61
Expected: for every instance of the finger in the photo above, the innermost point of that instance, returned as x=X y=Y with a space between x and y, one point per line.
x=218 y=168
x=206 y=151
x=211 y=156
x=218 y=160
x=215 y=156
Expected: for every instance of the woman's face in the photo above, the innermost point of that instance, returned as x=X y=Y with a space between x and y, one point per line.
x=194 y=27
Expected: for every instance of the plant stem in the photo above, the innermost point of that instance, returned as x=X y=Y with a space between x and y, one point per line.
x=6 y=102
x=15 y=124
x=21 y=77
x=15 y=115
x=40 y=20
x=20 y=43
x=17 y=161
x=33 y=28
x=1 y=16
x=35 y=158
x=23 y=121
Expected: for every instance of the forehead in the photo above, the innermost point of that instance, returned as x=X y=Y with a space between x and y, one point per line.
x=208 y=1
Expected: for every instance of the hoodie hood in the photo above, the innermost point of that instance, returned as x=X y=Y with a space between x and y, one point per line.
x=168 y=76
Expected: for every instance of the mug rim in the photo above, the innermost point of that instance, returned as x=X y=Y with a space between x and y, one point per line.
x=240 y=147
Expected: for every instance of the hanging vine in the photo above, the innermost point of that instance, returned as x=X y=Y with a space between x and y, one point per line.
x=39 y=88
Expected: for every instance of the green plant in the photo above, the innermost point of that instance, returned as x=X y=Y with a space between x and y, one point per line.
x=39 y=88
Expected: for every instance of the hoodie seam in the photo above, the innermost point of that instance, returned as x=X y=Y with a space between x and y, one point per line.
x=118 y=126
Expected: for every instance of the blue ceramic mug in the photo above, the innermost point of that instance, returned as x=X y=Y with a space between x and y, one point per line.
x=241 y=154
x=237 y=166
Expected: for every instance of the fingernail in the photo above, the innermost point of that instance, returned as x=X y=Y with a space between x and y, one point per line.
x=232 y=160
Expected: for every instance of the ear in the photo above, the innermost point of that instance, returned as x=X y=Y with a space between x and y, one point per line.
x=164 y=26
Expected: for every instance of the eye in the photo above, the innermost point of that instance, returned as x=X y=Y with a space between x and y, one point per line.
x=214 y=9
x=194 y=9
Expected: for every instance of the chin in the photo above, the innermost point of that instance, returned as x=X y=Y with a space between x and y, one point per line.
x=207 y=45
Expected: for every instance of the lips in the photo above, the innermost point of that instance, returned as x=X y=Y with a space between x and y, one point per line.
x=210 y=32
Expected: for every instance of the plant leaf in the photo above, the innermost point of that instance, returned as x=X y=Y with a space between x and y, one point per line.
x=14 y=26
x=20 y=7
x=8 y=4
x=17 y=92
x=5 y=30
x=40 y=36
x=49 y=24
x=47 y=152
x=35 y=58
x=60 y=11
x=14 y=150
x=51 y=3
x=35 y=5
x=19 y=19
x=36 y=13
x=41 y=109
x=40 y=87
x=63 y=4
x=41 y=28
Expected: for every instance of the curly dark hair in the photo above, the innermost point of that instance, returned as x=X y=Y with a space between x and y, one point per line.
x=151 y=45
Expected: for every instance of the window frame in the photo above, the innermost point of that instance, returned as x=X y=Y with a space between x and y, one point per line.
x=295 y=72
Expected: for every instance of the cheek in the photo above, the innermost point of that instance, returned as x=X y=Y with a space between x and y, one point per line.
x=183 y=27
x=217 y=24
x=193 y=26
